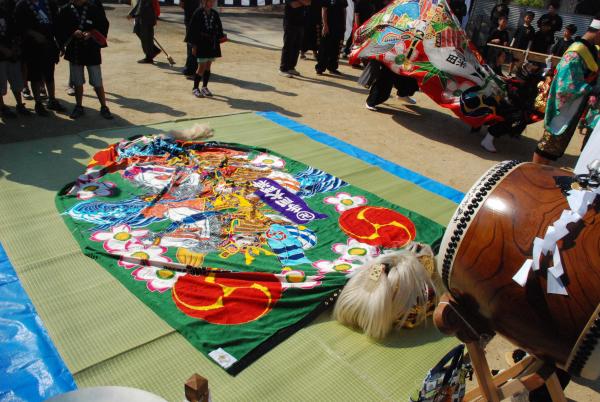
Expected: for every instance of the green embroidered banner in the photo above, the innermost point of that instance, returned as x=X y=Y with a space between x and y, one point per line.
x=234 y=246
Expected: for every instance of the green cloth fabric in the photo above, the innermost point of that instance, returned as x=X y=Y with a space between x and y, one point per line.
x=107 y=336
x=568 y=86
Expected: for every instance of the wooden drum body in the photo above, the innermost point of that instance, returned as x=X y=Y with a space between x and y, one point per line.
x=487 y=241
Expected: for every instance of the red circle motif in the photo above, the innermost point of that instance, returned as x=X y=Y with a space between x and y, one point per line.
x=378 y=226
x=227 y=298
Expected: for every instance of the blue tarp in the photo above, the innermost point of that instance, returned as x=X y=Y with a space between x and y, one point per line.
x=30 y=367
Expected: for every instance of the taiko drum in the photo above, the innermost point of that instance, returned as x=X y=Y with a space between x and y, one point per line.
x=489 y=238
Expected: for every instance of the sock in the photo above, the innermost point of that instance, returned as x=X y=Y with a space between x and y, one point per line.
x=197 y=79
x=205 y=78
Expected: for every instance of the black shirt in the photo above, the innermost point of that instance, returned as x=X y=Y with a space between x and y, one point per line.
x=87 y=17
x=8 y=37
x=561 y=46
x=336 y=15
x=294 y=16
x=555 y=21
x=459 y=8
x=498 y=34
x=189 y=6
x=365 y=10
x=542 y=41
x=523 y=36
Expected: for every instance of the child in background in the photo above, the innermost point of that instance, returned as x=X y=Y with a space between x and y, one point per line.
x=561 y=46
x=79 y=21
x=523 y=36
x=10 y=64
x=205 y=34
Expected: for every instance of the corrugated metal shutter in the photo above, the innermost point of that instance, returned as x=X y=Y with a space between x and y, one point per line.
x=248 y=3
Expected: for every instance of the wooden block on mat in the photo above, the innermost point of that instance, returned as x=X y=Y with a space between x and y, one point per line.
x=196 y=388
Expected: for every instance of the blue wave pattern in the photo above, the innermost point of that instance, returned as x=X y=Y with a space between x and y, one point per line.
x=313 y=181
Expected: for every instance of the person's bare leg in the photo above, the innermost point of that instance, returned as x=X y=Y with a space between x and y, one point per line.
x=79 y=95
x=101 y=95
x=36 y=87
x=50 y=89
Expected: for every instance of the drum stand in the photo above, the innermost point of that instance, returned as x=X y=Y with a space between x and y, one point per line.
x=526 y=375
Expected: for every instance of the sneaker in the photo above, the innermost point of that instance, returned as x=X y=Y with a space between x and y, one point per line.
x=488 y=143
x=22 y=110
x=6 y=112
x=408 y=99
x=285 y=74
x=205 y=91
x=70 y=91
x=77 y=112
x=294 y=72
x=26 y=94
x=40 y=109
x=145 y=61
x=335 y=72
x=371 y=108
x=196 y=92
x=105 y=112
x=55 y=105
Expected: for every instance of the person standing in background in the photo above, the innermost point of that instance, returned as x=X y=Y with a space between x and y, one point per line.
x=523 y=36
x=144 y=16
x=498 y=36
x=543 y=39
x=35 y=21
x=294 y=20
x=10 y=61
x=189 y=7
x=552 y=17
x=312 y=29
x=575 y=80
x=80 y=22
x=205 y=34
x=459 y=9
x=333 y=13
x=500 y=10
x=561 y=46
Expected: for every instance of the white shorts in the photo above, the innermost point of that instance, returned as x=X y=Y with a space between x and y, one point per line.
x=10 y=72
x=77 y=77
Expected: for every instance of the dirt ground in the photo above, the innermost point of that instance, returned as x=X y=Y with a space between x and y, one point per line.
x=421 y=137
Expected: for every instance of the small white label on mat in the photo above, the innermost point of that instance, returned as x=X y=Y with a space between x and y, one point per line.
x=223 y=358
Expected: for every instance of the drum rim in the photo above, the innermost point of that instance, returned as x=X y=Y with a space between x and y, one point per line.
x=468 y=207
x=584 y=348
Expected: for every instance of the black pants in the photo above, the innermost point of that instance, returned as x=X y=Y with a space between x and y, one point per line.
x=191 y=63
x=145 y=31
x=292 y=42
x=381 y=89
x=329 y=52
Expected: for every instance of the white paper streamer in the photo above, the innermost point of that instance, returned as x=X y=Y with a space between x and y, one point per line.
x=537 y=252
x=555 y=286
x=523 y=272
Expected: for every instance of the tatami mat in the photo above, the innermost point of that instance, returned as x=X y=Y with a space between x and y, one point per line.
x=107 y=336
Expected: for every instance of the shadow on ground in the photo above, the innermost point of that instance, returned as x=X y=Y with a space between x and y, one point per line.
x=56 y=125
x=426 y=122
